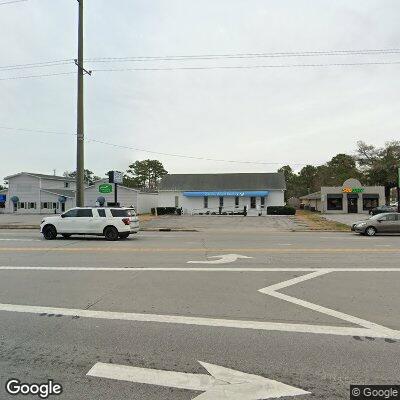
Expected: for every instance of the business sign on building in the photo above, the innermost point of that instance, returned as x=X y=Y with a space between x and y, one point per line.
x=228 y=193
x=105 y=188
x=352 y=190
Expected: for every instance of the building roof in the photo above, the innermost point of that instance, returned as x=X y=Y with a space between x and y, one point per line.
x=61 y=192
x=42 y=176
x=235 y=181
x=311 y=196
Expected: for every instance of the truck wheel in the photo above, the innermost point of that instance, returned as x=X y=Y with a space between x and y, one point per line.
x=49 y=232
x=370 y=231
x=124 y=235
x=111 y=233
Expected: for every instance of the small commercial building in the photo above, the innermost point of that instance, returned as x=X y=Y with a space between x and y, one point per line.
x=351 y=197
x=225 y=193
x=32 y=193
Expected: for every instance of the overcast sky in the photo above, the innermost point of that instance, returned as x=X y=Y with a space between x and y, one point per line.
x=284 y=115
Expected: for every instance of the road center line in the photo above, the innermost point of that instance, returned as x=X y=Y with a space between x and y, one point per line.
x=195 y=269
x=123 y=249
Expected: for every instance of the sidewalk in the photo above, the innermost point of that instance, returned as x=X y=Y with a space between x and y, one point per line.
x=347 y=219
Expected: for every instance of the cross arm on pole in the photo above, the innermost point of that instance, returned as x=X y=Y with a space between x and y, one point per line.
x=82 y=68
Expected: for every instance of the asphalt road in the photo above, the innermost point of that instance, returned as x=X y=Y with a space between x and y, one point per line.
x=316 y=311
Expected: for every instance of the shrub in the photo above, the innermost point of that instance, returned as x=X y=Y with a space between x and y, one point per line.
x=281 y=210
x=164 y=210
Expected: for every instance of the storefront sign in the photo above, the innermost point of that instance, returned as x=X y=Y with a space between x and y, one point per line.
x=227 y=194
x=352 y=190
x=105 y=188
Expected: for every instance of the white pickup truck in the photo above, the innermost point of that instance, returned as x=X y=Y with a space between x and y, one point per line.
x=112 y=223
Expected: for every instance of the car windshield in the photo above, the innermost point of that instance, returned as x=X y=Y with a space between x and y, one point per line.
x=377 y=216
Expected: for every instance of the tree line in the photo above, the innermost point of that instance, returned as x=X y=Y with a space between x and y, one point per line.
x=144 y=175
x=373 y=166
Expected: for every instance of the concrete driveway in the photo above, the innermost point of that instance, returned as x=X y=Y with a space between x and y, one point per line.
x=269 y=223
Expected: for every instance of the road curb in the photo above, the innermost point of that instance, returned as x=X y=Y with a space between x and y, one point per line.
x=19 y=226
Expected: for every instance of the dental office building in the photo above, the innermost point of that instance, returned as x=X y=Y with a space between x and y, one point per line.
x=32 y=193
x=210 y=193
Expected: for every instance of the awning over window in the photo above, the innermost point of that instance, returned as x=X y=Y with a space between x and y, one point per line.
x=334 y=196
x=261 y=193
x=352 y=195
x=370 y=196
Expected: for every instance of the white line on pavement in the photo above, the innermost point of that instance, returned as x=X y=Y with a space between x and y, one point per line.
x=222 y=383
x=196 y=269
x=272 y=291
x=199 y=321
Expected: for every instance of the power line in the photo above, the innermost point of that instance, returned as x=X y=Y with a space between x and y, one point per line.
x=245 y=55
x=36 y=65
x=41 y=131
x=217 y=67
x=11 y=2
x=37 y=76
x=249 y=66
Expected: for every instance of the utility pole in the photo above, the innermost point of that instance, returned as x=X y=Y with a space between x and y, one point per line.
x=80 y=132
x=398 y=189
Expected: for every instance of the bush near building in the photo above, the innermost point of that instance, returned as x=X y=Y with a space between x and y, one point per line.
x=281 y=210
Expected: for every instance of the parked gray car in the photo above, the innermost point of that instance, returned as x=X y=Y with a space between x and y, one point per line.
x=380 y=223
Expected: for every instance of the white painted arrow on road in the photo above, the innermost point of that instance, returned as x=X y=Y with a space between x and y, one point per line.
x=223 y=259
x=222 y=384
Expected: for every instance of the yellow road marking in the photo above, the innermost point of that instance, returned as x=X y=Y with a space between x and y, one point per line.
x=197 y=250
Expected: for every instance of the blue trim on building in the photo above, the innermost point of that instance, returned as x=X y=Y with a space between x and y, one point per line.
x=258 y=193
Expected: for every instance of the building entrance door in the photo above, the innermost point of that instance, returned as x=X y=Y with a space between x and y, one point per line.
x=352 y=205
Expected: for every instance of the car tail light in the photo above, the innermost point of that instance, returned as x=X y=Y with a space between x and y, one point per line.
x=126 y=221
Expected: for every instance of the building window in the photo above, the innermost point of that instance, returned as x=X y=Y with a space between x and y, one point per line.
x=335 y=203
x=237 y=201
x=54 y=206
x=44 y=205
x=370 y=201
x=221 y=201
x=32 y=205
x=66 y=184
x=252 y=202
x=22 y=205
x=205 y=203
x=262 y=202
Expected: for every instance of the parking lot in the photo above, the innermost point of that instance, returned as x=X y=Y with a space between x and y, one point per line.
x=309 y=311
